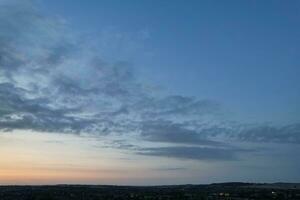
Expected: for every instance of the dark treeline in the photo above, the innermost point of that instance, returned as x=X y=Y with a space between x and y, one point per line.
x=227 y=191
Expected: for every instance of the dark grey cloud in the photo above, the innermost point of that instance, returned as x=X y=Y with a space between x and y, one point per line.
x=260 y=133
x=167 y=131
x=177 y=105
x=17 y=112
x=184 y=152
x=170 y=169
x=269 y=133
x=194 y=153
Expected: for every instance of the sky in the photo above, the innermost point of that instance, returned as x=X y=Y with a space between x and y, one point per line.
x=149 y=92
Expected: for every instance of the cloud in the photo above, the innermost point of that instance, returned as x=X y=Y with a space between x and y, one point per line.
x=193 y=153
x=169 y=132
x=259 y=133
x=177 y=105
x=170 y=169
x=269 y=133
x=181 y=151
x=51 y=81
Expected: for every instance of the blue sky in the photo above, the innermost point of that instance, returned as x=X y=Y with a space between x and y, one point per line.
x=165 y=91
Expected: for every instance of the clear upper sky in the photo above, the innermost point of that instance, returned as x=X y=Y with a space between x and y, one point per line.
x=149 y=92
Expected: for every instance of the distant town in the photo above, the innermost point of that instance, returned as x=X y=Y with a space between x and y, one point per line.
x=221 y=191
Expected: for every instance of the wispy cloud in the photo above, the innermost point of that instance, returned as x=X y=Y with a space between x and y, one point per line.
x=50 y=81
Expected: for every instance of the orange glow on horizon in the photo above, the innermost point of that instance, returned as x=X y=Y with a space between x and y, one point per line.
x=47 y=158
